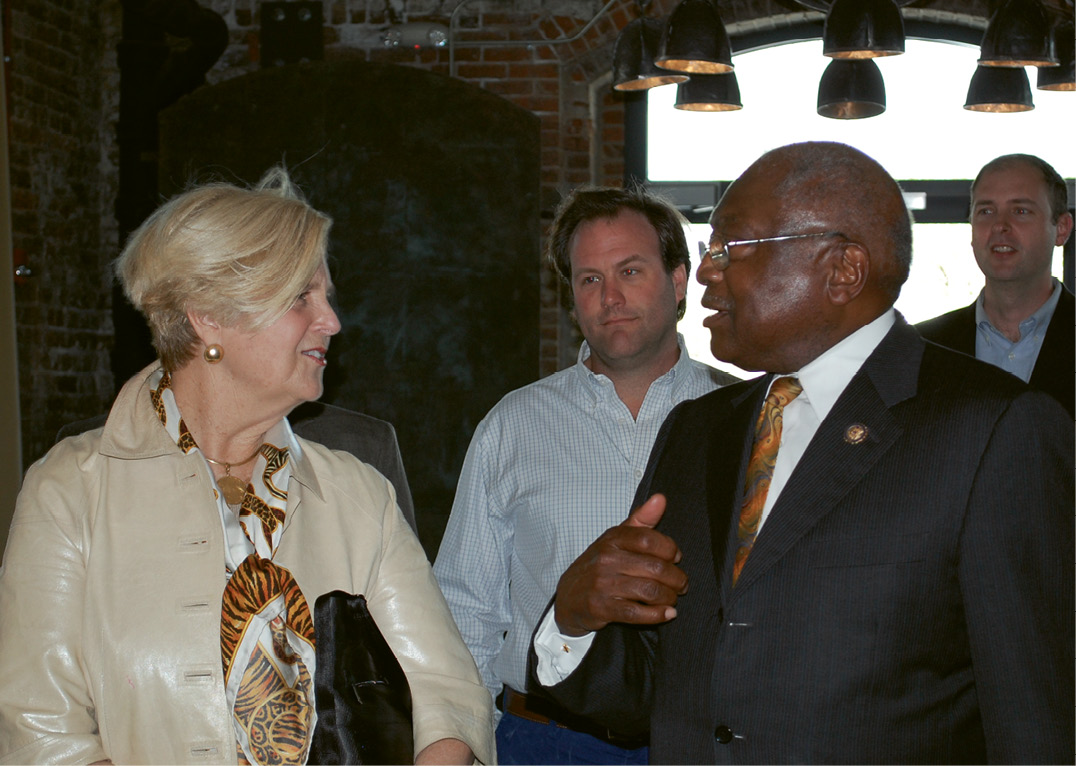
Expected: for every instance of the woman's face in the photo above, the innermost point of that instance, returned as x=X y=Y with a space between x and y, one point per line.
x=282 y=365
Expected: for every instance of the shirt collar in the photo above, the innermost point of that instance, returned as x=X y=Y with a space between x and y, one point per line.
x=1042 y=316
x=825 y=377
x=674 y=373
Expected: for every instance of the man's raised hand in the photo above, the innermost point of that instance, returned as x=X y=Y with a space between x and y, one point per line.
x=629 y=574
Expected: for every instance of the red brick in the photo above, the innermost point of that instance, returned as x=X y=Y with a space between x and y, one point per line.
x=510 y=87
x=532 y=70
x=482 y=71
x=540 y=103
x=468 y=54
x=513 y=53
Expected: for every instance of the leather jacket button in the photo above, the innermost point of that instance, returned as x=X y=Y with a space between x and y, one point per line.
x=723 y=734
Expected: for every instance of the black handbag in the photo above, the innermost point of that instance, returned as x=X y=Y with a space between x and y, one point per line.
x=361 y=694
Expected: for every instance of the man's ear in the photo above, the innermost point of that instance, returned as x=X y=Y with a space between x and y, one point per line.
x=1064 y=229
x=679 y=280
x=849 y=268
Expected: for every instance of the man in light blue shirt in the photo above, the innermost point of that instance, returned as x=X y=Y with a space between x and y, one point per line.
x=557 y=462
x=1023 y=319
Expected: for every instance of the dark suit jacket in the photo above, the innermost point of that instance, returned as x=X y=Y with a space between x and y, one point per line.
x=1056 y=363
x=371 y=440
x=908 y=600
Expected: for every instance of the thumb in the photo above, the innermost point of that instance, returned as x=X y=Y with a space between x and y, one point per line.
x=648 y=514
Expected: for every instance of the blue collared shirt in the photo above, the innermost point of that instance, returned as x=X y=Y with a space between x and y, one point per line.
x=992 y=346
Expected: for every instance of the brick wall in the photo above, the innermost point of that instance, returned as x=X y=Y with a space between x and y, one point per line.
x=63 y=94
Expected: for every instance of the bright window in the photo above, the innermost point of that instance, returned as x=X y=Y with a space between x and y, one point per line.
x=925 y=133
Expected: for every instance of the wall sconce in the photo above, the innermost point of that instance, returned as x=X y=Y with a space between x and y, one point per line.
x=1018 y=35
x=416 y=35
x=858 y=29
x=709 y=93
x=851 y=89
x=999 y=89
x=633 y=57
x=694 y=40
x=1062 y=76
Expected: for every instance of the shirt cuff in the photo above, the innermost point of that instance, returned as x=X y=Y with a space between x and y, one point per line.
x=558 y=655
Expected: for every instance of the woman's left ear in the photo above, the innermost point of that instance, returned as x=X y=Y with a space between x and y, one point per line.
x=848 y=272
x=203 y=325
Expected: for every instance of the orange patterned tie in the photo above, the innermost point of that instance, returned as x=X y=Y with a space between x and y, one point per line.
x=760 y=467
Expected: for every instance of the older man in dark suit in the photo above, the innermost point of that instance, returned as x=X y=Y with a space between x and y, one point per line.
x=1023 y=319
x=894 y=584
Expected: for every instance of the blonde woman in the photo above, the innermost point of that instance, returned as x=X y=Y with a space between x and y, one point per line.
x=161 y=573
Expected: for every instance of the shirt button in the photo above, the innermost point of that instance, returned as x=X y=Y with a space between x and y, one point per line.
x=723 y=734
x=638 y=474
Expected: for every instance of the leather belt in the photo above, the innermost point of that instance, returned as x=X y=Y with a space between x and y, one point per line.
x=540 y=710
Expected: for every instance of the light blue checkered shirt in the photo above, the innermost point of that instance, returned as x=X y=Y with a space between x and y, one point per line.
x=552 y=466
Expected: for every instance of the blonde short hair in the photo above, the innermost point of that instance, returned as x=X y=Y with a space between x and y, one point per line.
x=239 y=256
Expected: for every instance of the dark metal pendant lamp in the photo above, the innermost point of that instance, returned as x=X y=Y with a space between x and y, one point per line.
x=1018 y=35
x=694 y=40
x=709 y=93
x=851 y=89
x=999 y=89
x=633 y=57
x=1062 y=76
x=860 y=29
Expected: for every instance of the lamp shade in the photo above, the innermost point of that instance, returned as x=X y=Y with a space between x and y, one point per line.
x=859 y=29
x=851 y=89
x=999 y=89
x=709 y=93
x=1062 y=76
x=695 y=40
x=633 y=57
x=1018 y=35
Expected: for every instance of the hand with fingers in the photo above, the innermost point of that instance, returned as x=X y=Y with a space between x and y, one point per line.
x=628 y=575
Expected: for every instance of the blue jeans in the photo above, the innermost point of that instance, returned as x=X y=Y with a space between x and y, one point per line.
x=520 y=741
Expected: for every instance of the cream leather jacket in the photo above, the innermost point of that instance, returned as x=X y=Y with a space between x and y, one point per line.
x=110 y=597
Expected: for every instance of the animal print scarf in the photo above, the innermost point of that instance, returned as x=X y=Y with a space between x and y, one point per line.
x=267 y=635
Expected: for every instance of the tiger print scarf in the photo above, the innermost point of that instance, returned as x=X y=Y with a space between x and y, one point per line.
x=266 y=631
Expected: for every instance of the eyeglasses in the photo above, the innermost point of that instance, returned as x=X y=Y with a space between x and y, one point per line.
x=719 y=251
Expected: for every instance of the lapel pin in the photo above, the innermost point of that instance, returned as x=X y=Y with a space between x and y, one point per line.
x=856 y=433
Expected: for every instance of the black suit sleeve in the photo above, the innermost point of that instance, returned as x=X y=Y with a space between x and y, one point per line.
x=1020 y=632
x=612 y=686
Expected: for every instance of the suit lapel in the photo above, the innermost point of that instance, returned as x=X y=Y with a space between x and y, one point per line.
x=837 y=458
x=1055 y=355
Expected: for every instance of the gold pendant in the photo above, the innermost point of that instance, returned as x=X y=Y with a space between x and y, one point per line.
x=233 y=489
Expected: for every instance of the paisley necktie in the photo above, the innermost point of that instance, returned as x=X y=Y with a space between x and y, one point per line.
x=760 y=467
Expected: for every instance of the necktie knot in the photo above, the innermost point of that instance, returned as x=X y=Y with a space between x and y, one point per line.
x=784 y=390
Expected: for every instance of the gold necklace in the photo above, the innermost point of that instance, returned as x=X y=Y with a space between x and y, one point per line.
x=233 y=489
